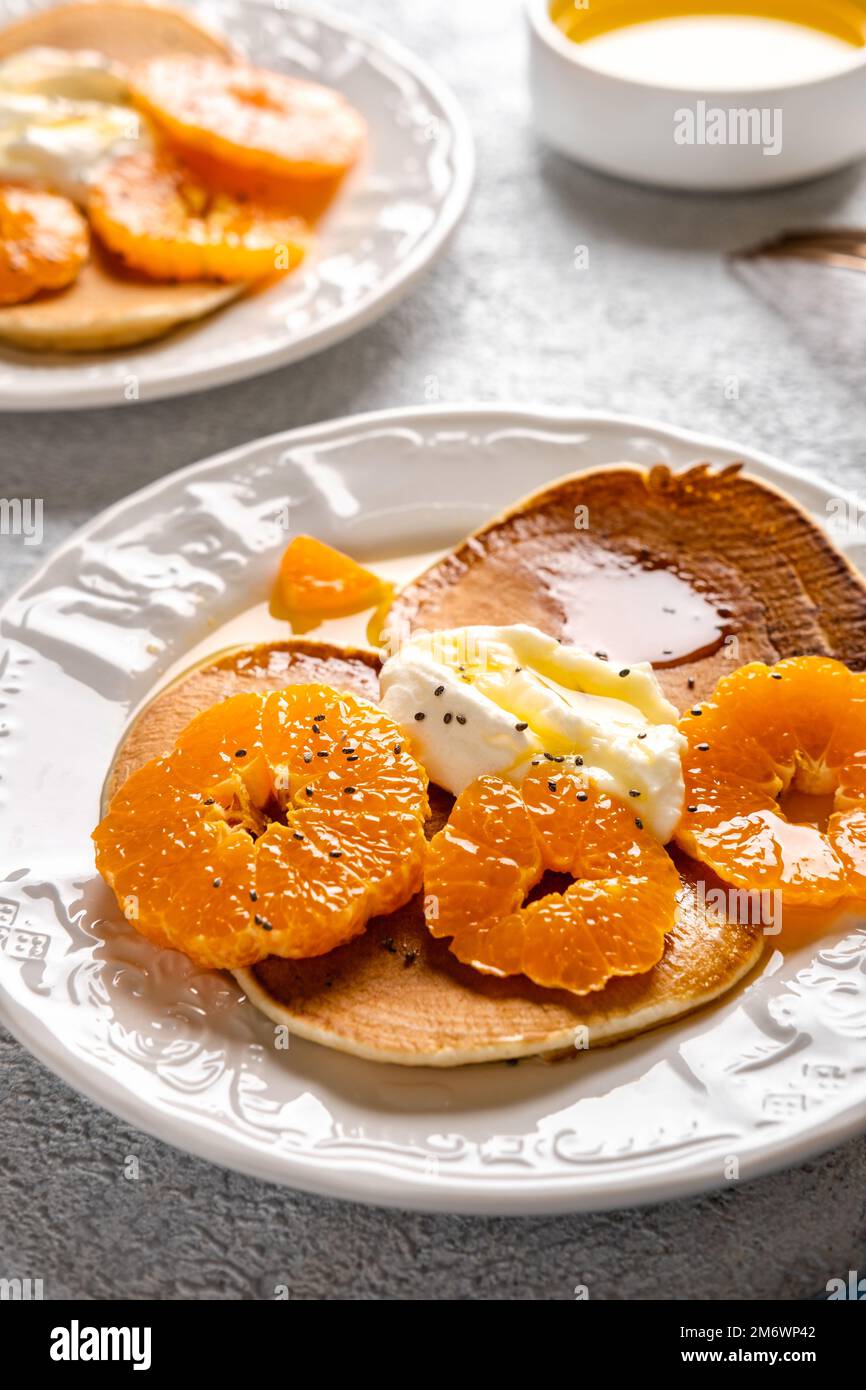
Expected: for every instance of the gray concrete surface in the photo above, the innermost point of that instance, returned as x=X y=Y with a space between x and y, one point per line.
x=657 y=325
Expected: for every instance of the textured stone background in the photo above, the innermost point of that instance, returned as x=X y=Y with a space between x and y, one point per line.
x=656 y=326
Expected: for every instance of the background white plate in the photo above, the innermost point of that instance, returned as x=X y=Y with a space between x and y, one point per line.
x=770 y=1075
x=391 y=220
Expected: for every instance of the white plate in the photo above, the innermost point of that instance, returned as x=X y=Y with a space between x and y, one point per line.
x=773 y=1073
x=391 y=221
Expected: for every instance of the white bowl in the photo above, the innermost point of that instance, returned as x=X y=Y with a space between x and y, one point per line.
x=628 y=128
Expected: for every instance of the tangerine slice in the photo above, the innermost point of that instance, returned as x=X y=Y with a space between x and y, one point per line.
x=163 y=220
x=306 y=198
x=495 y=847
x=250 y=117
x=278 y=825
x=44 y=242
x=315 y=579
x=800 y=725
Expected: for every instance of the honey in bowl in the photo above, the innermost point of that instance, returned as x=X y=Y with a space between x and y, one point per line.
x=729 y=45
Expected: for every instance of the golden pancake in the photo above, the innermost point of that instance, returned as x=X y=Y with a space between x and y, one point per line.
x=129 y=31
x=397 y=995
x=699 y=572
x=107 y=306
x=267 y=667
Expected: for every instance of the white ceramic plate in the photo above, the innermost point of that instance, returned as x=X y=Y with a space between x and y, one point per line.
x=391 y=221
x=773 y=1073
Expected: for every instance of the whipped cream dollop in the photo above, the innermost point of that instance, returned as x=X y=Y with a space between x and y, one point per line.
x=478 y=700
x=62 y=114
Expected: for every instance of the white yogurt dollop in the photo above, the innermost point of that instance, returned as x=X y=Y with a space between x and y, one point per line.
x=77 y=74
x=62 y=114
x=494 y=698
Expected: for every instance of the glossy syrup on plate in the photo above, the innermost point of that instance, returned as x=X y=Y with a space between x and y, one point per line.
x=638 y=610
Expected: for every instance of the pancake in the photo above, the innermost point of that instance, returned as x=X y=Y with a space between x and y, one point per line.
x=129 y=31
x=395 y=994
x=601 y=558
x=108 y=306
x=267 y=667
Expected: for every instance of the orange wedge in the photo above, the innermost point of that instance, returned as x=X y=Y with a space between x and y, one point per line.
x=498 y=842
x=278 y=825
x=800 y=725
x=258 y=120
x=155 y=213
x=44 y=242
x=317 y=580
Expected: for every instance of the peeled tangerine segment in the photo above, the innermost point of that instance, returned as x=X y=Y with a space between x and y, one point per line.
x=799 y=724
x=44 y=242
x=155 y=213
x=278 y=825
x=258 y=120
x=316 y=579
x=494 y=849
